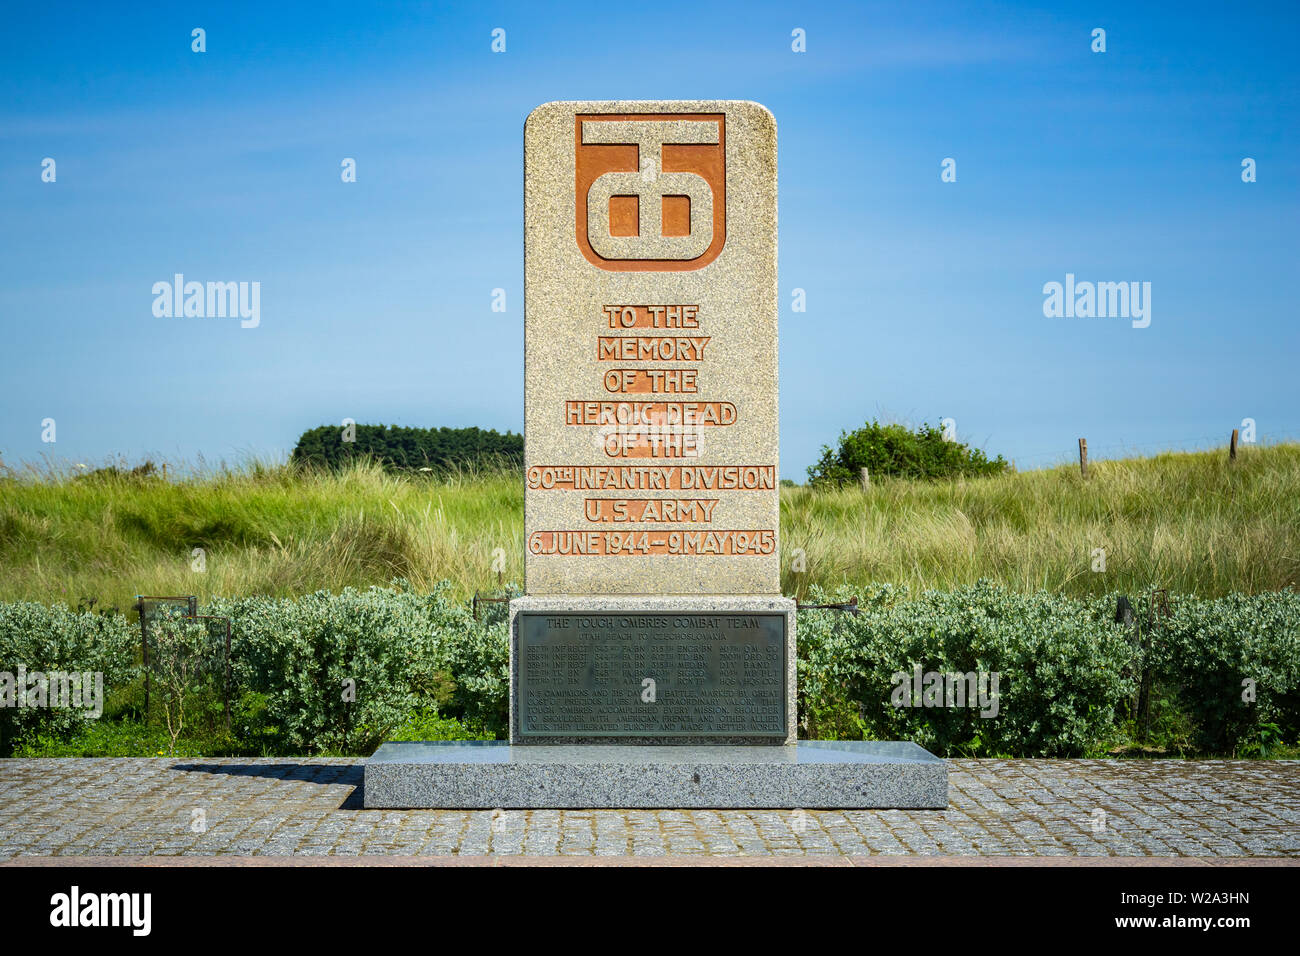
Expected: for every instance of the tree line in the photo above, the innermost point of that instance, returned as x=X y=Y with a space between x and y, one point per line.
x=402 y=448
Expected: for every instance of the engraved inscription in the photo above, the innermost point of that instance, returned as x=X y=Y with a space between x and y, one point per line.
x=653 y=477
x=631 y=429
x=603 y=543
x=684 y=510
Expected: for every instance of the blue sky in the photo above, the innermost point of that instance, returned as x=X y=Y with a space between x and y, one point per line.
x=924 y=298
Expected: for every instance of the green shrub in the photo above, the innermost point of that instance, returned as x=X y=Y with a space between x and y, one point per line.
x=1208 y=649
x=895 y=451
x=425 y=723
x=41 y=639
x=339 y=672
x=1063 y=669
x=187 y=673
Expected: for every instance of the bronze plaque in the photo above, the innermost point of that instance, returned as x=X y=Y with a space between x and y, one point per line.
x=632 y=674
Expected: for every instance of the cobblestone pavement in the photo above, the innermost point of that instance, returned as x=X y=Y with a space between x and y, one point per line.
x=312 y=807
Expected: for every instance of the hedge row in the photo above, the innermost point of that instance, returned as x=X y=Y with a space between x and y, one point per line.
x=338 y=672
x=1069 y=673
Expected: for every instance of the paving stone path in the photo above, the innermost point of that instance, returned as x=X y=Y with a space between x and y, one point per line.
x=312 y=807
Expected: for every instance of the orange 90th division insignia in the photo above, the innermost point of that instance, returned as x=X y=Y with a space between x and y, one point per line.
x=651 y=190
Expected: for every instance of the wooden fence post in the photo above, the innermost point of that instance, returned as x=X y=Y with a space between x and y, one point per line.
x=865 y=478
x=1083 y=457
x=1232 y=446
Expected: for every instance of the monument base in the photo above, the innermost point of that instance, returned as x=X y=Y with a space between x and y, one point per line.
x=808 y=774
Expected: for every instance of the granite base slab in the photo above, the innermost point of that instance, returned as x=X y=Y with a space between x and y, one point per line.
x=808 y=774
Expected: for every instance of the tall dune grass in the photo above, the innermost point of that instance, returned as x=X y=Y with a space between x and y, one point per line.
x=272 y=530
x=1189 y=522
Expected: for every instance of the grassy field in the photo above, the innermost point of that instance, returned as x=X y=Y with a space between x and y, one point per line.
x=1188 y=522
